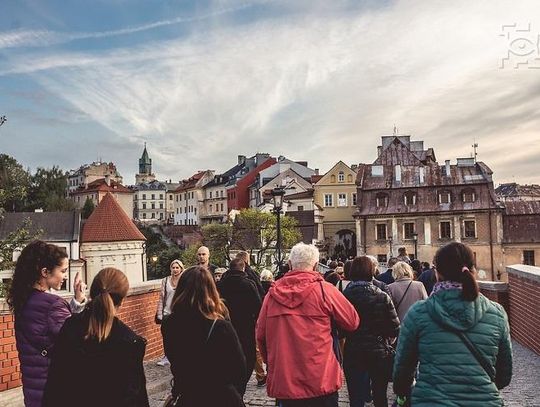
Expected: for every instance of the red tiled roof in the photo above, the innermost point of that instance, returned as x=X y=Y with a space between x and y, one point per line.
x=101 y=185
x=109 y=223
x=191 y=182
x=316 y=178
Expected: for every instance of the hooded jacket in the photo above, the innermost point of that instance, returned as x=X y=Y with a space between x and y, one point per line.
x=294 y=335
x=449 y=375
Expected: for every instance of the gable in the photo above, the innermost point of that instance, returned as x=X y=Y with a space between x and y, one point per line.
x=332 y=176
x=397 y=153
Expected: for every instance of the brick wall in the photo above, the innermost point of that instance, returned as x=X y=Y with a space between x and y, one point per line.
x=524 y=298
x=137 y=312
x=496 y=291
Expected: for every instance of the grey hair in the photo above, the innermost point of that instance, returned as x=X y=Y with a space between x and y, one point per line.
x=375 y=263
x=402 y=269
x=266 y=275
x=303 y=256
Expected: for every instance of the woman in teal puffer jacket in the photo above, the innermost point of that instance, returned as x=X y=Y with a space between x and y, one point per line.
x=448 y=373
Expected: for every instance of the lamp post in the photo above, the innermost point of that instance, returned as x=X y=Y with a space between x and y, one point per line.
x=154 y=259
x=415 y=238
x=277 y=196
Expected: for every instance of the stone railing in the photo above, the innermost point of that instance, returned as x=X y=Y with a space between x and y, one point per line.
x=137 y=311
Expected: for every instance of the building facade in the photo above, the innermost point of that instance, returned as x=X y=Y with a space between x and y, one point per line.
x=149 y=202
x=89 y=173
x=96 y=191
x=189 y=198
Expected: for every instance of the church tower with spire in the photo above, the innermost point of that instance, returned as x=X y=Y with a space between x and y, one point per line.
x=145 y=168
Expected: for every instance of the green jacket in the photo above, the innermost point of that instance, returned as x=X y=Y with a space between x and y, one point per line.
x=449 y=375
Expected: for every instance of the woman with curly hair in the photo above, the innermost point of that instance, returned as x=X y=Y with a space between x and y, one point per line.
x=39 y=314
x=207 y=361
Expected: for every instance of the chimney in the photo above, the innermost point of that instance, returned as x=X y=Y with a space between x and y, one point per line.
x=447 y=165
x=316 y=171
x=241 y=159
x=108 y=180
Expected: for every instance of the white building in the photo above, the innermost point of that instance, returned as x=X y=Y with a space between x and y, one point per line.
x=88 y=173
x=189 y=198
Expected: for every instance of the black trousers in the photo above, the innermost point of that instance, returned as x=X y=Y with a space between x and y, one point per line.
x=330 y=400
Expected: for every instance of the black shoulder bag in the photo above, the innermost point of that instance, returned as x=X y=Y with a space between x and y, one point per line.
x=403 y=297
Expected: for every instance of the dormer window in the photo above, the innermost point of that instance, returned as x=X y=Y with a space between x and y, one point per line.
x=341 y=176
x=445 y=197
x=468 y=196
x=382 y=200
x=409 y=198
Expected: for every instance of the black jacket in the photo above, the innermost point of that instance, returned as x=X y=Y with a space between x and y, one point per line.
x=379 y=321
x=206 y=373
x=244 y=304
x=86 y=373
x=254 y=276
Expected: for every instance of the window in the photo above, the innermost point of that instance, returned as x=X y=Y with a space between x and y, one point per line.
x=328 y=200
x=469 y=196
x=445 y=230
x=161 y=205
x=349 y=178
x=210 y=194
x=153 y=215
x=408 y=230
x=300 y=207
x=144 y=205
x=153 y=205
x=161 y=216
x=333 y=179
x=221 y=207
x=409 y=198
x=153 y=196
x=221 y=193
x=160 y=196
x=177 y=211
x=528 y=257
x=382 y=200
x=342 y=199
x=144 y=215
x=341 y=176
x=381 y=258
x=469 y=227
x=445 y=197
x=143 y=196
x=353 y=195
x=381 y=231
x=177 y=198
x=377 y=170
x=170 y=197
x=210 y=209
x=195 y=211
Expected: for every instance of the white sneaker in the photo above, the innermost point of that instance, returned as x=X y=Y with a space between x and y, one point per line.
x=164 y=361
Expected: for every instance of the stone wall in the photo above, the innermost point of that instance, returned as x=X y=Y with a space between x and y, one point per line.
x=137 y=312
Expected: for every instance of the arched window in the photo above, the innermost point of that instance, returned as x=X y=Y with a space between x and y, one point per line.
x=468 y=195
x=341 y=176
x=333 y=179
x=381 y=200
x=409 y=198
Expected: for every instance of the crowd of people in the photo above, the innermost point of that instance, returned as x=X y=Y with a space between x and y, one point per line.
x=425 y=328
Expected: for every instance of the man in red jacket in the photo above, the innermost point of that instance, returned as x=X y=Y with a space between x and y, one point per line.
x=294 y=333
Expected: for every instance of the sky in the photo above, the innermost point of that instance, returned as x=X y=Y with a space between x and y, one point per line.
x=314 y=80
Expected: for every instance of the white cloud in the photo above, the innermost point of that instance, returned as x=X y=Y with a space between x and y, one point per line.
x=316 y=85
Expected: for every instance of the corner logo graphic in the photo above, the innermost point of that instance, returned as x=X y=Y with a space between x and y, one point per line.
x=523 y=47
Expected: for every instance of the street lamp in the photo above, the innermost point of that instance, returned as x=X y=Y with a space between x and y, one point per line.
x=154 y=259
x=415 y=238
x=277 y=197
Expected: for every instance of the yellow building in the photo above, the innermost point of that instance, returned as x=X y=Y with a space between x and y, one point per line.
x=335 y=196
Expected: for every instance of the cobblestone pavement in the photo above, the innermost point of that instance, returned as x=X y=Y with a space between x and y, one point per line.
x=522 y=392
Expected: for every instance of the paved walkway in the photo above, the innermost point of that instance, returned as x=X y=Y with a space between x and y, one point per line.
x=522 y=392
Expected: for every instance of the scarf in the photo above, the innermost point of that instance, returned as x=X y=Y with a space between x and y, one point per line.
x=446 y=285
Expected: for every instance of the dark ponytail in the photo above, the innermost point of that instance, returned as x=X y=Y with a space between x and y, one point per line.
x=455 y=262
x=108 y=290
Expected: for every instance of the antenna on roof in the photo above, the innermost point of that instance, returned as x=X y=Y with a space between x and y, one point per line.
x=395 y=130
x=475 y=146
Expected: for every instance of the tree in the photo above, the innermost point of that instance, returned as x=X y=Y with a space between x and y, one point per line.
x=88 y=208
x=256 y=233
x=48 y=190
x=217 y=237
x=14 y=184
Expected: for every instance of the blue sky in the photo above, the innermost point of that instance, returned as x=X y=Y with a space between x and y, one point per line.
x=202 y=82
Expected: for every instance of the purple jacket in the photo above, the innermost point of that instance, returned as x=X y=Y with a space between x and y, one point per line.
x=36 y=329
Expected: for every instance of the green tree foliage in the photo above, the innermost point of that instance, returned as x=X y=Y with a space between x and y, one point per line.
x=48 y=190
x=217 y=237
x=88 y=208
x=189 y=256
x=14 y=184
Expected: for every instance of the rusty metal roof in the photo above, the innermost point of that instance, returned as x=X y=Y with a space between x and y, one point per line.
x=512 y=189
x=522 y=208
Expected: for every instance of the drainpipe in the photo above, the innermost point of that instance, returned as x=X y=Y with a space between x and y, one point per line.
x=491 y=246
x=364 y=233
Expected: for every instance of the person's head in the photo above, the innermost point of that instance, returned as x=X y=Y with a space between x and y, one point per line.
x=340 y=264
x=109 y=288
x=196 y=291
x=455 y=262
x=402 y=270
x=375 y=264
x=391 y=262
x=237 y=264
x=266 y=275
x=416 y=266
x=347 y=270
x=362 y=269
x=176 y=268
x=218 y=273
x=203 y=255
x=402 y=251
x=243 y=255
x=333 y=278
x=40 y=265
x=303 y=257
x=341 y=272
x=333 y=264
x=426 y=265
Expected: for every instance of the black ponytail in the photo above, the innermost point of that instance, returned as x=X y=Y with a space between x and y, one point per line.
x=455 y=262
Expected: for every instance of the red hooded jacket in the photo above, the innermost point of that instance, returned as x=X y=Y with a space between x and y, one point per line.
x=294 y=335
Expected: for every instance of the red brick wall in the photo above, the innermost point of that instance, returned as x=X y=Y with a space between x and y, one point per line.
x=137 y=312
x=524 y=306
x=10 y=375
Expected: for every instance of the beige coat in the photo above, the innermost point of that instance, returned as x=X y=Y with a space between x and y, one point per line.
x=415 y=293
